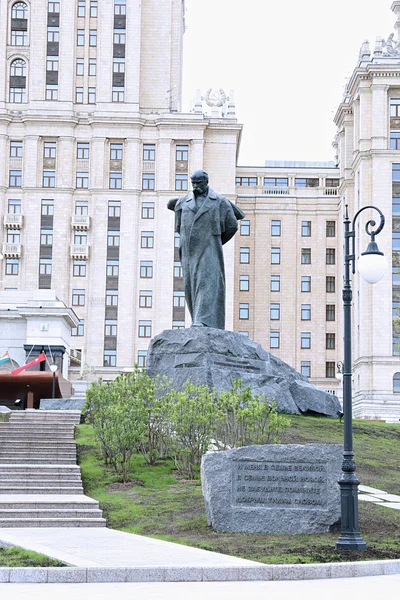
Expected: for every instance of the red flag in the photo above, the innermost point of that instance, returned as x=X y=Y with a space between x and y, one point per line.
x=35 y=361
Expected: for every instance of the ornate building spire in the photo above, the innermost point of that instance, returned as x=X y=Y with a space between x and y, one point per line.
x=396 y=9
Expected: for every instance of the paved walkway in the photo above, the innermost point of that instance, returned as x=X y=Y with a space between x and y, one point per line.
x=369 y=494
x=367 y=588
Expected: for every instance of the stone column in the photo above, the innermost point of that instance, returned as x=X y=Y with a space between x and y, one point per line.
x=163 y=165
x=3 y=168
x=380 y=119
x=97 y=163
x=132 y=164
x=33 y=170
x=65 y=173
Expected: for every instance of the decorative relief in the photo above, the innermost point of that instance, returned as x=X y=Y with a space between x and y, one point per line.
x=49 y=163
x=215 y=97
x=116 y=165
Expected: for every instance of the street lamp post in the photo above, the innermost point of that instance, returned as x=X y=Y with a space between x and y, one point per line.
x=53 y=369
x=371 y=265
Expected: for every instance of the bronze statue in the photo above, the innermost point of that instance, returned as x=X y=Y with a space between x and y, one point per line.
x=205 y=221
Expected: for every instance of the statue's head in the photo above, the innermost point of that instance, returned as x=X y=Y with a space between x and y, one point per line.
x=199 y=182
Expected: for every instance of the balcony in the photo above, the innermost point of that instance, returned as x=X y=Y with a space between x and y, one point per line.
x=79 y=251
x=13 y=221
x=331 y=191
x=276 y=191
x=81 y=222
x=12 y=250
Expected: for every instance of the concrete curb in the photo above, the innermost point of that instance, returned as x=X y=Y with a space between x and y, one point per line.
x=189 y=573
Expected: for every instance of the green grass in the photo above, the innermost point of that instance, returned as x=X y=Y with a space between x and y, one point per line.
x=159 y=504
x=17 y=557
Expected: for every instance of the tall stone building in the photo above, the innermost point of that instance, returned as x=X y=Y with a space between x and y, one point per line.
x=93 y=144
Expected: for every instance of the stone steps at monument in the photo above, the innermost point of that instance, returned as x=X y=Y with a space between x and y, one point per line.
x=46 y=522
x=34 y=457
x=35 y=483
x=56 y=460
x=6 y=444
x=50 y=513
x=10 y=436
x=24 y=488
x=47 y=502
x=40 y=469
x=44 y=415
x=35 y=477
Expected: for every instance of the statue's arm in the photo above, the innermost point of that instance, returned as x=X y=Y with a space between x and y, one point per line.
x=172 y=203
x=230 y=225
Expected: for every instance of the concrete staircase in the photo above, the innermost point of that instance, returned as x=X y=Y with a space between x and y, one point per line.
x=40 y=482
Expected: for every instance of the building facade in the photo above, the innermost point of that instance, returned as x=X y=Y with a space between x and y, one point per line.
x=93 y=145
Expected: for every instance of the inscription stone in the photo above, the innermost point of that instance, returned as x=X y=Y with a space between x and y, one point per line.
x=273 y=488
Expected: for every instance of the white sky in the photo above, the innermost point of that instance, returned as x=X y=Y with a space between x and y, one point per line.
x=287 y=62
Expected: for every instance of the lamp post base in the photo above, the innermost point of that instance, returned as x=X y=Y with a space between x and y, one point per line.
x=351 y=542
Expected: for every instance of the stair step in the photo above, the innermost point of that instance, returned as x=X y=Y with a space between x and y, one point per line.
x=47 y=501
x=48 y=469
x=31 y=477
x=93 y=522
x=22 y=482
x=41 y=490
x=50 y=513
x=39 y=461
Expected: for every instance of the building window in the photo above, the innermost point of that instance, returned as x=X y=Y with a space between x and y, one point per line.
x=16 y=149
x=79 y=95
x=80 y=238
x=275 y=228
x=146 y=269
x=82 y=180
x=120 y=9
x=119 y=66
x=244 y=283
x=14 y=207
x=244 y=255
x=181 y=182
x=305 y=312
x=177 y=240
x=79 y=269
x=114 y=209
x=147 y=239
x=275 y=256
x=306 y=228
x=81 y=8
x=333 y=183
x=246 y=181
x=52 y=63
x=93 y=8
x=45 y=266
x=394 y=140
x=141 y=359
x=80 y=330
x=12 y=266
x=330 y=341
x=111 y=297
x=243 y=311
x=330 y=284
x=15 y=178
x=113 y=238
x=306 y=182
x=274 y=339
x=19 y=10
x=330 y=228
x=17 y=95
x=93 y=37
x=49 y=150
x=145 y=299
x=330 y=256
x=306 y=283
x=110 y=327
x=53 y=34
x=82 y=150
x=396 y=381
x=46 y=237
x=149 y=152
x=119 y=36
x=115 y=181
x=245 y=227
x=78 y=297
x=110 y=358
x=179 y=299
x=178 y=273
x=330 y=369
x=91 y=95
x=13 y=236
x=116 y=151
x=147 y=210
x=305 y=368
x=112 y=268
x=330 y=312
x=305 y=340
x=275 y=312
x=182 y=153
x=47 y=208
x=53 y=7
x=92 y=67
x=306 y=256
x=80 y=66
x=276 y=181
x=51 y=92
x=19 y=37
x=81 y=207
x=275 y=283
x=178 y=324
x=118 y=94
x=80 y=37
x=148 y=181
x=145 y=329
x=49 y=179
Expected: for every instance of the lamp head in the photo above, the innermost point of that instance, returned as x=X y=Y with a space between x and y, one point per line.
x=53 y=367
x=372 y=263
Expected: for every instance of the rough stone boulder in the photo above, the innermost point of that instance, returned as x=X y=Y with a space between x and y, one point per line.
x=216 y=357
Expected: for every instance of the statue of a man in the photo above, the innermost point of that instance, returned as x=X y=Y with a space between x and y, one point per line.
x=205 y=221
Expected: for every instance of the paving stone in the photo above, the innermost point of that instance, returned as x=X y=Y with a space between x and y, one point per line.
x=66 y=575
x=368 y=498
x=105 y=574
x=370 y=490
x=368 y=568
x=4 y=573
x=220 y=574
x=261 y=573
x=137 y=574
x=28 y=575
x=391 y=567
x=183 y=574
